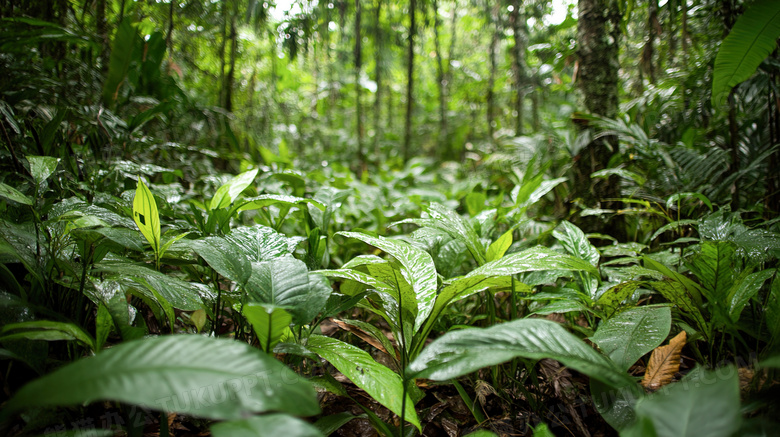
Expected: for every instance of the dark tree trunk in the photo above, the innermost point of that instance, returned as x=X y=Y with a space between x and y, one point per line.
x=518 y=61
x=410 y=81
x=378 y=47
x=598 y=33
x=442 y=138
x=358 y=109
x=492 y=11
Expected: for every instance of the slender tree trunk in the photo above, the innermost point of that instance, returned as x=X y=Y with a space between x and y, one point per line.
x=493 y=17
x=358 y=109
x=598 y=33
x=410 y=81
x=378 y=47
x=535 y=109
x=102 y=33
x=773 y=171
x=518 y=59
x=222 y=50
x=231 y=76
x=442 y=138
x=653 y=30
x=169 y=35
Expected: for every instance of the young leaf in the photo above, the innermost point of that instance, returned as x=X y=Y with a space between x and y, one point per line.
x=498 y=248
x=146 y=216
x=186 y=374
x=381 y=383
x=458 y=353
x=41 y=167
x=626 y=337
x=664 y=363
x=576 y=243
x=227 y=193
x=12 y=193
x=750 y=41
x=270 y=324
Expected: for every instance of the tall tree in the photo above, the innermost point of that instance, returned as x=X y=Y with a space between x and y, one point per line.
x=410 y=81
x=516 y=19
x=378 y=47
x=358 y=87
x=493 y=17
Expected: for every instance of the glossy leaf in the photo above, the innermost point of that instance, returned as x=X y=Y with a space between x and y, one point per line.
x=715 y=267
x=381 y=383
x=185 y=374
x=227 y=193
x=261 y=243
x=417 y=269
x=265 y=200
x=41 y=167
x=146 y=216
x=270 y=324
x=745 y=290
x=222 y=256
x=181 y=294
x=12 y=193
x=576 y=243
x=631 y=334
x=498 y=248
x=267 y=424
x=535 y=259
x=458 y=353
x=46 y=330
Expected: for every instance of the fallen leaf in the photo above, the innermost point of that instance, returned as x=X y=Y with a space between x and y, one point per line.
x=664 y=363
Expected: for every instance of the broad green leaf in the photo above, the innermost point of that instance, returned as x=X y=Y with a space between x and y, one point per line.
x=675 y=225
x=677 y=294
x=417 y=269
x=458 y=353
x=532 y=191
x=46 y=330
x=616 y=405
x=693 y=290
x=181 y=294
x=485 y=433
x=629 y=335
x=745 y=290
x=576 y=243
x=261 y=243
x=287 y=283
x=541 y=430
x=270 y=324
x=752 y=38
x=103 y=326
x=498 y=248
x=227 y=193
x=273 y=199
x=381 y=383
x=772 y=311
x=186 y=374
x=267 y=424
x=121 y=55
x=146 y=216
x=612 y=298
x=675 y=198
x=41 y=167
x=703 y=403
x=198 y=318
x=442 y=218
x=12 y=193
x=715 y=267
x=222 y=256
x=535 y=259
x=330 y=424
x=475 y=203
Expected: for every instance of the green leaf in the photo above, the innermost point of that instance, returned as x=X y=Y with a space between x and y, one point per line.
x=268 y=424
x=119 y=62
x=458 y=353
x=270 y=324
x=146 y=216
x=46 y=330
x=677 y=294
x=41 y=167
x=475 y=203
x=450 y=222
x=675 y=225
x=103 y=326
x=631 y=334
x=623 y=173
x=715 y=267
x=703 y=403
x=616 y=405
x=675 y=198
x=287 y=283
x=273 y=199
x=772 y=311
x=541 y=430
x=752 y=38
x=498 y=248
x=381 y=383
x=612 y=298
x=693 y=290
x=576 y=243
x=329 y=424
x=182 y=295
x=227 y=193
x=12 y=193
x=261 y=243
x=535 y=259
x=745 y=290
x=417 y=269
x=222 y=256
x=186 y=374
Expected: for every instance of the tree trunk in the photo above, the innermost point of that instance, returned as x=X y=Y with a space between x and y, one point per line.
x=231 y=76
x=518 y=59
x=409 y=81
x=102 y=33
x=598 y=32
x=378 y=47
x=493 y=19
x=442 y=138
x=653 y=30
x=358 y=109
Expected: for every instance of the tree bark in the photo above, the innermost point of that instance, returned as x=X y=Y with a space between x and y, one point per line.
x=518 y=59
x=358 y=109
x=493 y=19
x=442 y=138
x=378 y=47
x=409 y=82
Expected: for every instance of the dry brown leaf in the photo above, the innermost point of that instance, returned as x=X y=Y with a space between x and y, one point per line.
x=360 y=333
x=664 y=363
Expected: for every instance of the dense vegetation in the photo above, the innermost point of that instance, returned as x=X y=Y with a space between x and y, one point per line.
x=436 y=217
